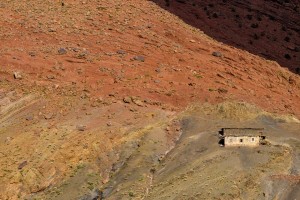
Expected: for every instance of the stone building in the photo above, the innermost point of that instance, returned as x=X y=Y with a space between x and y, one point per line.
x=242 y=137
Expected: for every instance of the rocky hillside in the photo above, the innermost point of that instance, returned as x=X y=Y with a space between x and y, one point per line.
x=134 y=48
x=82 y=81
x=268 y=28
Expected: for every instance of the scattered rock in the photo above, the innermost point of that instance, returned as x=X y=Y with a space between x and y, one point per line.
x=127 y=100
x=81 y=127
x=22 y=165
x=17 y=75
x=48 y=116
x=139 y=58
x=217 y=54
x=82 y=55
x=50 y=77
x=138 y=102
x=192 y=41
x=62 y=51
x=29 y=118
x=32 y=53
x=133 y=109
x=51 y=30
x=222 y=90
x=292 y=81
x=121 y=52
x=8 y=139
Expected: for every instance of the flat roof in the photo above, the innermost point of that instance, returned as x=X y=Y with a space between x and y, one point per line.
x=242 y=131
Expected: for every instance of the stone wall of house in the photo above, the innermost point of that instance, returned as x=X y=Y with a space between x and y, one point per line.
x=241 y=141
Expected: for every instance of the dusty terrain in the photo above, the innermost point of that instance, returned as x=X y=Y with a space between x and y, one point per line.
x=90 y=89
x=198 y=168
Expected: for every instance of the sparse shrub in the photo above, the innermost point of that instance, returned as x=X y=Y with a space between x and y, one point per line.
x=167 y=3
x=255 y=25
x=249 y=17
x=271 y=17
x=215 y=15
x=283 y=28
x=287 y=56
x=259 y=18
x=131 y=194
x=287 y=39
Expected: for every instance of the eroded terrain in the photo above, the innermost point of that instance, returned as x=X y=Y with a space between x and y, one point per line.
x=198 y=168
x=105 y=98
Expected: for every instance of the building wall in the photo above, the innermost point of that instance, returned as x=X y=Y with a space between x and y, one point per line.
x=241 y=141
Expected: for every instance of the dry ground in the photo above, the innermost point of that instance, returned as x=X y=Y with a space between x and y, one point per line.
x=97 y=80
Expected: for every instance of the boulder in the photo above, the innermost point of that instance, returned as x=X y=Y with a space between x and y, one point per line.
x=217 y=54
x=127 y=100
x=17 y=75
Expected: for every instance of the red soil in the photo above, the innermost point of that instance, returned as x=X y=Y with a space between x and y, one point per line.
x=179 y=68
x=85 y=55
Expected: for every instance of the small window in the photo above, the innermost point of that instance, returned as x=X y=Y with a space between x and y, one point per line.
x=241 y=140
x=252 y=139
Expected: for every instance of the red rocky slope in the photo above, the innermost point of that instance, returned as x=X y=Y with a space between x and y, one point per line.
x=95 y=47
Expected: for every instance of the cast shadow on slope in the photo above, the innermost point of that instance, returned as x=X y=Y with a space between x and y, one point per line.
x=268 y=28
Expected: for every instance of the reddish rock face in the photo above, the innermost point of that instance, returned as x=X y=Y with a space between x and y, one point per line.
x=139 y=49
x=268 y=28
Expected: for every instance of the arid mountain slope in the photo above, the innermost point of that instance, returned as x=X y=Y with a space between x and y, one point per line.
x=268 y=28
x=82 y=82
x=133 y=48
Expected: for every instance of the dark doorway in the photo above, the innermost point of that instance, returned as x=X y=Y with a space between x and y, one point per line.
x=222 y=142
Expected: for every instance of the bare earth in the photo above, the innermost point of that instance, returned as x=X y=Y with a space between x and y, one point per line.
x=95 y=95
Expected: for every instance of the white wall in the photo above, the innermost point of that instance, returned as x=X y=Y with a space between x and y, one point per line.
x=246 y=141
